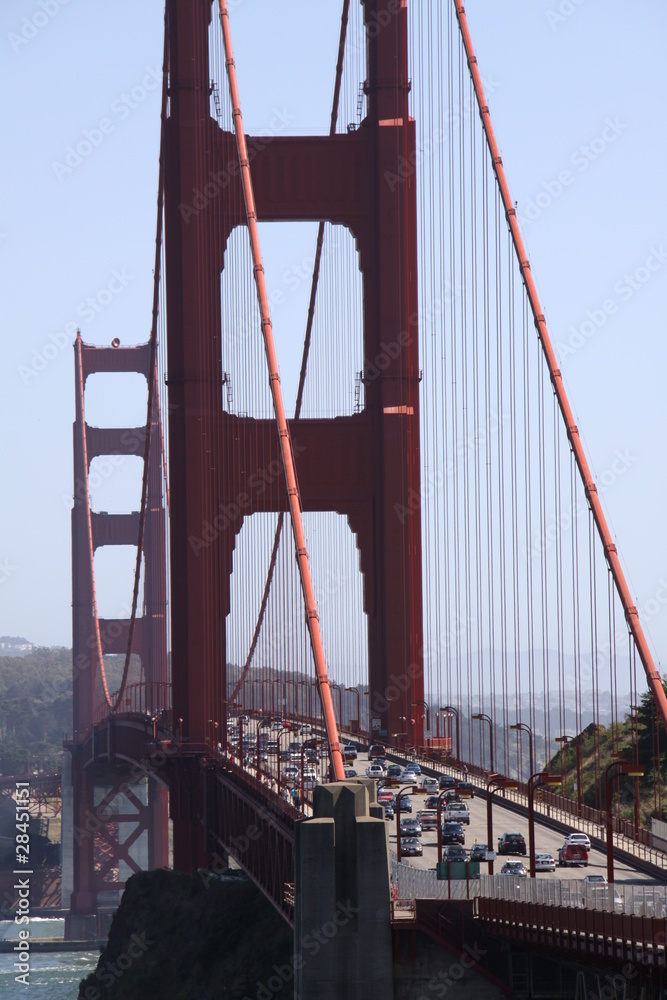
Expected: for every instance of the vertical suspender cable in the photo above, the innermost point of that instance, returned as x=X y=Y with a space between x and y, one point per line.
x=590 y=489
x=285 y=441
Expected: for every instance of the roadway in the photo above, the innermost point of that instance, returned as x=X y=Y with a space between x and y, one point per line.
x=504 y=819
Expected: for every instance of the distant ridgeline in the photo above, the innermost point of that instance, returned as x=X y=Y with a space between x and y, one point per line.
x=14 y=645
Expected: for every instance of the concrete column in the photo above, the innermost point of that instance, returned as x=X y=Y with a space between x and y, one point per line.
x=67 y=832
x=342 y=920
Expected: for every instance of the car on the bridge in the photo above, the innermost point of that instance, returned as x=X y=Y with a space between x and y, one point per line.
x=407 y=777
x=578 y=838
x=454 y=852
x=452 y=833
x=405 y=803
x=457 y=811
x=375 y=771
x=478 y=852
x=446 y=781
x=394 y=771
x=431 y=802
x=512 y=843
x=377 y=750
x=291 y=772
x=412 y=847
x=389 y=812
x=386 y=795
x=350 y=773
x=428 y=819
x=429 y=785
x=545 y=863
x=572 y=854
x=515 y=868
x=410 y=827
x=466 y=789
x=414 y=767
x=349 y=752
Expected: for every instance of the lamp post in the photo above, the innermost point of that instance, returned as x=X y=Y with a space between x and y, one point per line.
x=534 y=782
x=441 y=797
x=482 y=717
x=455 y=712
x=622 y=767
x=305 y=712
x=493 y=783
x=524 y=728
x=404 y=791
x=577 y=747
x=356 y=691
x=426 y=714
x=337 y=687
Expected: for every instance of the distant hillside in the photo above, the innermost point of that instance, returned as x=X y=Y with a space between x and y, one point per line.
x=35 y=708
x=14 y=645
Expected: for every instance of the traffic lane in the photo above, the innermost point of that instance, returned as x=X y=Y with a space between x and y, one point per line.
x=506 y=820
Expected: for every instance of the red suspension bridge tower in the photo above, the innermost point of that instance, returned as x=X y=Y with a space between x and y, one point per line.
x=365 y=466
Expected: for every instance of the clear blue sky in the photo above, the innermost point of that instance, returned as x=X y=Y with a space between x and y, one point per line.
x=578 y=87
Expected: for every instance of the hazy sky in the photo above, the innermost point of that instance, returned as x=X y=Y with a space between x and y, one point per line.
x=578 y=104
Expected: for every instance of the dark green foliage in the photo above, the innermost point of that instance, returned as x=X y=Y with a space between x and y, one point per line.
x=195 y=939
x=35 y=709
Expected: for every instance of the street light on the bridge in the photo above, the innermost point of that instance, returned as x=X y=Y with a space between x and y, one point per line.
x=482 y=717
x=493 y=783
x=450 y=710
x=623 y=767
x=565 y=740
x=338 y=688
x=415 y=790
x=307 y=698
x=524 y=728
x=356 y=691
x=535 y=781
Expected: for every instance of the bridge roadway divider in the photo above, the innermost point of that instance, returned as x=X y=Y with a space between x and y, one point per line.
x=651 y=860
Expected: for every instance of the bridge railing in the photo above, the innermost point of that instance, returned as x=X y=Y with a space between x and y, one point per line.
x=150 y=699
x=637 y=842
x=635 y=900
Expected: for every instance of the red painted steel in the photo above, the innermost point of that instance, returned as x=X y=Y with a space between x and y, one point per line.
x=286 y=449
x=590 y=489
x=375 y=484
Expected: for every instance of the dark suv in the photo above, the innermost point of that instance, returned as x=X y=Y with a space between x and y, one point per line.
x=512 y=843
x=452 y=833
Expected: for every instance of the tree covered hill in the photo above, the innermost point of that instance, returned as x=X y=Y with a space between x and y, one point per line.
x=35 y=708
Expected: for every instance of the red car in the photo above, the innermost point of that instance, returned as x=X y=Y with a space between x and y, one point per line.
x=573 y=854
x=377 y=750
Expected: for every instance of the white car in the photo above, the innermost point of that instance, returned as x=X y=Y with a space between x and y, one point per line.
x=430 y=785
x=578 y=838
x=375 y=771
x=408 y=777
x=456 y=812
x=545 y=863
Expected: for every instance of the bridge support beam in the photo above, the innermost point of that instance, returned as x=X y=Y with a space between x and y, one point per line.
x=342 y=922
